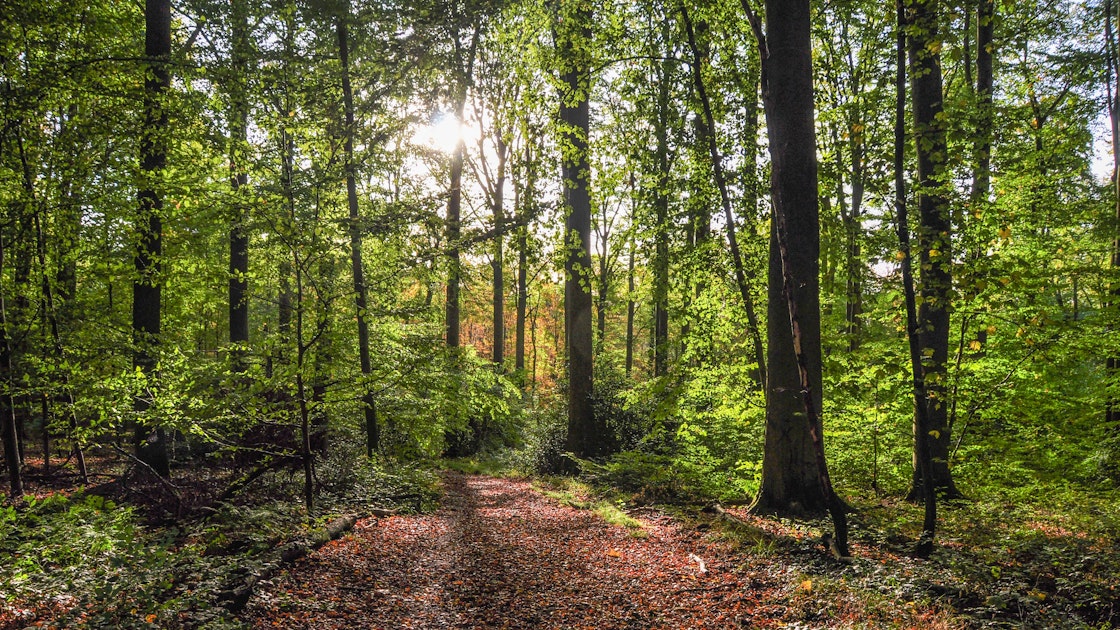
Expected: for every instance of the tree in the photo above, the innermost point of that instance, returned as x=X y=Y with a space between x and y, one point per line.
x=462 y=60
x=151 y=441
x=7 y=404
x=361 y=290
x=587 y=434
x=239 y=181
x=707 y=132
x=934 y=237
x=794 y=471
x=922 y=401
x=1112 y=363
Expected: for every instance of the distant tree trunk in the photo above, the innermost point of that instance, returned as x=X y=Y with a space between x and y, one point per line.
x=50 y=315
x=464 y=70
x=852 y=220
x=630 y=306
x=498 y=204
x=307 y=455
x=661 y=228
x=454 y=210
x=587 y=435
x=1112 y=405
x=525 y=196
x=239 y=180
x=603 y=285
x=7 y=403
x=361 y=291
x=151 y=442
x=285 y=295
x=725 y=197
x=934 y=238
x=981 y=154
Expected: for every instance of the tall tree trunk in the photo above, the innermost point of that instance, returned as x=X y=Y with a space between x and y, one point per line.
x=982 y=141
x=934 y=239
x=499 y=301
x=587 y=435
x=787 y=95
x=1112 y=405
x=464 y=71
x=239 y=180
x=7 y=404
x=794 y=473
x=661 y=227
x=150 y=441
x=361 y=291
x=902 y=223
x=725 y=197
x=454 y=271
x=630 y=305
x=524 y=196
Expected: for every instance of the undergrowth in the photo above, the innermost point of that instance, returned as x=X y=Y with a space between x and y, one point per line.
x=85 y=561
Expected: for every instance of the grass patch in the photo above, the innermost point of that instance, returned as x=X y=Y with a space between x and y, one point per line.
x=582 y=496
x=491 y=466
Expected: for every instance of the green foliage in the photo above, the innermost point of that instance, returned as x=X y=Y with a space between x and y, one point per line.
x=96 y=566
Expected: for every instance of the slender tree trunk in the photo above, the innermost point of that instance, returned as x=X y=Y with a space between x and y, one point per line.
x=464 y=69
x=982 y=143
x=239 y=180
x=921 y=396
x=661 y=229
x=525 y=196
x=725 y=197
x=50 y=314
x=150 y=441
x=630 y=308
x=307 y=456
x=7 y=403
x=587 y=435
x=934 y=239
x=499 y=301
x=1112 y=365
x=285 y=295
x=361 y=291
x=454 y=211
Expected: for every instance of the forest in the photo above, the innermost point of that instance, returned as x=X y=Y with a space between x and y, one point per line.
x=353 y=313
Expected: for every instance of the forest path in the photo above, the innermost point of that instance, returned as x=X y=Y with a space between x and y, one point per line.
x=498 y=554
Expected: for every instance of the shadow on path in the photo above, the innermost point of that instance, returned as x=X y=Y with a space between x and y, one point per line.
x=499 y=555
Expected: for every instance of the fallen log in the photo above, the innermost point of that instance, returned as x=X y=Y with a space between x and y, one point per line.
x=236 y=596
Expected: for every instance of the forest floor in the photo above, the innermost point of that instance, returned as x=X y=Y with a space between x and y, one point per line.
x=500 y=554
x=546 y=553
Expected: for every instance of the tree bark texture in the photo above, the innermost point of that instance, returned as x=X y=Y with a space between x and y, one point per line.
x=790 y=473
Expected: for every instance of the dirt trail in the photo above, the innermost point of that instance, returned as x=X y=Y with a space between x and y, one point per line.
x=499 y=555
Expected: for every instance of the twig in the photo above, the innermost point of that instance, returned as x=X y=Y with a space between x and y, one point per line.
x=704 y=589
